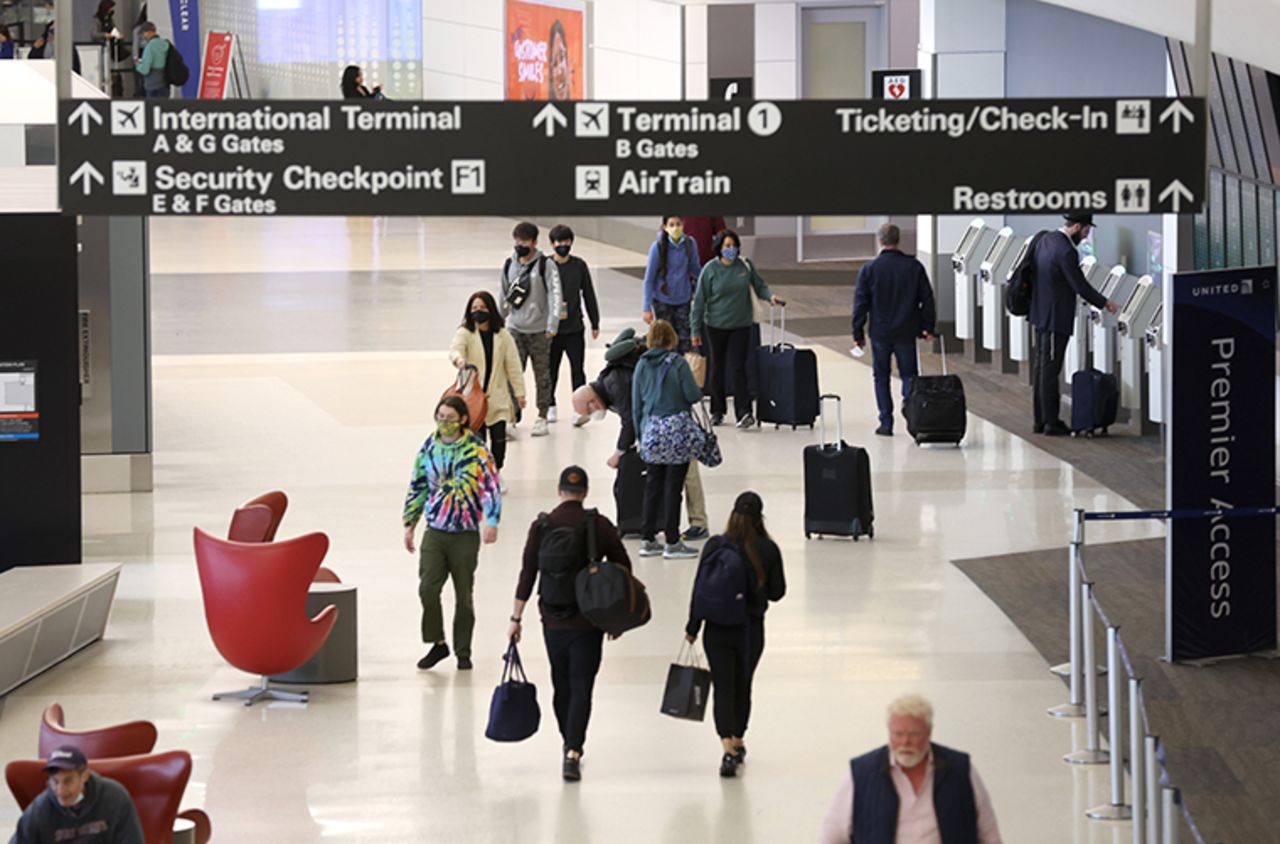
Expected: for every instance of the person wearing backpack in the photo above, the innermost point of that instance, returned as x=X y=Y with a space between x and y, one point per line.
x=558 y=547
x=739 y=573
x=670 y=274
x=151 y=66
x=531 y=303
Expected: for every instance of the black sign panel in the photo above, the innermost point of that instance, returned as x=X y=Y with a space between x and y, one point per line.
x=516 y=158
x=732 y=88
x=1220 y=453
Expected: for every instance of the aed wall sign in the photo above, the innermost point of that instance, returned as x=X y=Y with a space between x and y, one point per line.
x=526 y=158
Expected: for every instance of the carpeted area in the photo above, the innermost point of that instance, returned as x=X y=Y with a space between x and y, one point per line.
x=1220 y=723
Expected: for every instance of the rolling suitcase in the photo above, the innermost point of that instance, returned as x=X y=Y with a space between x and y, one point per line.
x=628 y=494
x=837 y=485
x=935 y=408
x=1095 y=400
x=787 y=380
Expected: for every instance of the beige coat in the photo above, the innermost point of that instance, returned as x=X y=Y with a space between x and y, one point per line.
x=467 y=347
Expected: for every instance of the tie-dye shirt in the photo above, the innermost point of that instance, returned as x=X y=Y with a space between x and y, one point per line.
x=454 y=486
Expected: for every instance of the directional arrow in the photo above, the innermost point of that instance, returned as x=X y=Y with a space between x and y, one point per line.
x=1178 y=191
x=549 y=116
x=1178 y=112
x=88 y=174
x=84 y=113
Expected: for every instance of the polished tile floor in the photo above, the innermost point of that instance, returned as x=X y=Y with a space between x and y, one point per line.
x=318 y=406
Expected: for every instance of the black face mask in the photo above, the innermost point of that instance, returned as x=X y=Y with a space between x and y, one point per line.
x=480 y=316
x=563 y=251
x=523 y=251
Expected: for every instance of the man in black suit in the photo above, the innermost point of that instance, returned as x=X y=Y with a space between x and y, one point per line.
x=1056 y=283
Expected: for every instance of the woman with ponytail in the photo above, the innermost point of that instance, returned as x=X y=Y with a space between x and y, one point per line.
x=734 y=650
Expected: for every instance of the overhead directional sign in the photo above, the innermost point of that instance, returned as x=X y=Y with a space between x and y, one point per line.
x=716 y=157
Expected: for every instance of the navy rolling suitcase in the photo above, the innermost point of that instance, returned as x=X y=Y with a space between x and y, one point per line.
x=787 y=380
x=1095 y=401
x=837 y=485
x=628 y=494
x=935 y=408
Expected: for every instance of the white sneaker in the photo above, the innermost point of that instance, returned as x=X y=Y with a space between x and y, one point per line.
x=580 y=419
x=502 y=484
x=512 y=434
x=539 y=428
x=551 y=414
x=599 y=414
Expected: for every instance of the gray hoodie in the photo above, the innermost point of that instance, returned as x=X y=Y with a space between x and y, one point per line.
x=535 y=316
x=105 y=816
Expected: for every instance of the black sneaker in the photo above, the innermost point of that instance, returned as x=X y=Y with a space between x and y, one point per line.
x=717 y=419
x=729 y=765
x=882 y=431
x=464 y=663
x=741 y=753
x=1056 y=428
x=572 y=769
x=437 y=653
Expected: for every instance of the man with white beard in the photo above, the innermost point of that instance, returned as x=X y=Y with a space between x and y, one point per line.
x=911 y=791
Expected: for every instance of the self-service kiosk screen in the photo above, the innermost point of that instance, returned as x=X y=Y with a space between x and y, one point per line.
x=19 y=414
x=966 y=242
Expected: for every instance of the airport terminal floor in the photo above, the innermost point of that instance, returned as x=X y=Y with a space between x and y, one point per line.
x=306 y=355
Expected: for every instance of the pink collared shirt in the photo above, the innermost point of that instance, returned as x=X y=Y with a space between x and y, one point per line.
x=917 y=822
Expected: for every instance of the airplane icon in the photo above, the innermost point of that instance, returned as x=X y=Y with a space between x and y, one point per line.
x=128 y=118
x=591 y=120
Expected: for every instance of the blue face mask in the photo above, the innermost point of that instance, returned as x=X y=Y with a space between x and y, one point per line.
x=729 y=253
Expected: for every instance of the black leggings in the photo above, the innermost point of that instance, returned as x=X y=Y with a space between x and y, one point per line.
x=573 y=344
x=497 y=436
x=729 y=350
x=733 y=653
x=575 y=659
x=662 y=490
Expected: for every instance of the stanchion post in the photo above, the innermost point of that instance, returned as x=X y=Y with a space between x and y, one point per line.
x=1116 y=809
x=1172 y=800
x=1137 y=761
x=1092 y=754
x=1071 y=668
x=1152 y=746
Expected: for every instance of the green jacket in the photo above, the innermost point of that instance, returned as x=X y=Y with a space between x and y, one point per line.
x=653 y=396
x=723 y=298
x=151 y=65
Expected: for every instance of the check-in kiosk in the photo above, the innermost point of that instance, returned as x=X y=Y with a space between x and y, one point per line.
x=1078 y=347
x=1153 y=342
x=992 y=272
x=1137 y=314
x=966 y=261
x=1019 y=328
x=1117 y=286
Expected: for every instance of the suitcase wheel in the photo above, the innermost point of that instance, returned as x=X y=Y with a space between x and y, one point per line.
x=871 y=533
x=807 y=535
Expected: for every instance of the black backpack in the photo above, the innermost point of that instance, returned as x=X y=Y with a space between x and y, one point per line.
x=722 y=586
x=518 y=292
x=1017 y=288
x=562 y=553
x=175 y=68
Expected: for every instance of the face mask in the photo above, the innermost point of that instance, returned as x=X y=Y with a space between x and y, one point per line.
x=563 y=251
x=729 y=253
x=480 y=316
x=522 y=250
x=676 y=233
x=448 y=428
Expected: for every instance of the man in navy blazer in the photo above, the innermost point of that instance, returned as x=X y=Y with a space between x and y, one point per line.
x=1055 y=284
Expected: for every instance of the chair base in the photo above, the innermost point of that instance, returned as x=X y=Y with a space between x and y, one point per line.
x=253 y=694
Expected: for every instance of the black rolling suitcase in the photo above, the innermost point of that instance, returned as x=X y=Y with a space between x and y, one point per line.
x=935 y=408
x=1095 y=401
x=837 y=485
x=787 y=380
x=628 y=494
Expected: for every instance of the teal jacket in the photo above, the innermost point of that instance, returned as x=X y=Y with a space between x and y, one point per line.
x=723 y=298
x=151 y=66
x=652 y=396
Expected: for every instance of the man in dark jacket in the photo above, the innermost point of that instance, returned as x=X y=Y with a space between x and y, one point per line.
x=894 y=293
x=612 y=389
x=78 y=807
x=1056 y=282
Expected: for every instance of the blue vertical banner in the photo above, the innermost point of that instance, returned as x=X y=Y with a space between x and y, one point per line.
x=1220 y=573
x=185 y=19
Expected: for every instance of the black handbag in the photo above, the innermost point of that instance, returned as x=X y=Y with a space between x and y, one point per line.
x=513 y=710
x=688 y=687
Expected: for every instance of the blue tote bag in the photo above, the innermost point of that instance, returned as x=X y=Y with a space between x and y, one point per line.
x=513 y=710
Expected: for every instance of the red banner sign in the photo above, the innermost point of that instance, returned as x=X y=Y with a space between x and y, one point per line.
x=544 y=51
x=217 y=66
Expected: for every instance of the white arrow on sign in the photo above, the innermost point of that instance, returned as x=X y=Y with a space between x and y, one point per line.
x=84 y=113
x=88 y=174
x=1178 y=191
x=549 y=116
x=1178 y=112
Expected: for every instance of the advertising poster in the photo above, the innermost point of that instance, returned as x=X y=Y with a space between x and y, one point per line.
x=19 y=415
x=217 y=65
x=545 y=51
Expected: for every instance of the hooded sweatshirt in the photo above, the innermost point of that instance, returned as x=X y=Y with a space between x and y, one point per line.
x=675 y=286
x=541 y=311
x=106 y=815
x=653 y=396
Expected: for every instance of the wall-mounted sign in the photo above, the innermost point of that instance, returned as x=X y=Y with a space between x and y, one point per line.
x=19 y=413
x=545 y=50
x=731 y=88
x=895 y=85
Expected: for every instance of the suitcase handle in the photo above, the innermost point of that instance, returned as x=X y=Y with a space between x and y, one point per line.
x=942 y=344
x=777 y=336
x=822 y=421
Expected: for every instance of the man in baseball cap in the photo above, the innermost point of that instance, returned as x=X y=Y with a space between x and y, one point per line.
x=78 y=806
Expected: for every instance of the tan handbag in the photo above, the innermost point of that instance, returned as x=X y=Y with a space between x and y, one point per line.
x=759 y=307
x=698 y=364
